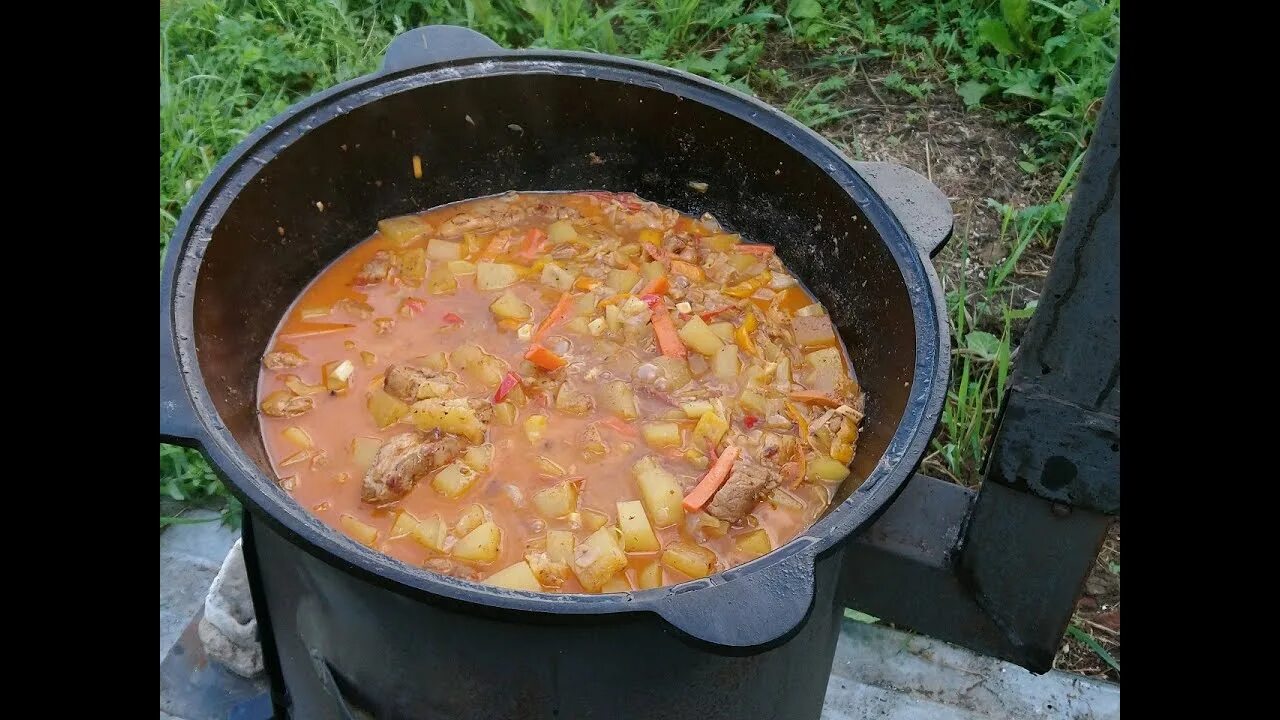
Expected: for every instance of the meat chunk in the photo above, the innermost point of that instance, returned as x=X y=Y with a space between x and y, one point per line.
x=282 y=359
x=377 y=269
x=467 y=222
x=402 y=460
x=746 y=485
x=410 y=383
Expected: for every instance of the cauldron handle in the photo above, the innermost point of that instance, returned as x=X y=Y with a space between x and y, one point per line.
x=436 y=43
x=747 y=608
x=923 y=209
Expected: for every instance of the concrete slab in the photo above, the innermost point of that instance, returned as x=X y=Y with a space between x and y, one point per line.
x=190 y=556
x=888 y=674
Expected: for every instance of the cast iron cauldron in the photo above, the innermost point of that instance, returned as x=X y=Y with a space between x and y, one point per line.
x=349 y=631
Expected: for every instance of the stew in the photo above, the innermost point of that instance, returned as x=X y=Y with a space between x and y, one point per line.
x=573 y=392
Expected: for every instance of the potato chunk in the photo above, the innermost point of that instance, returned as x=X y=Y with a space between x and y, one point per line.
x=479 y=457
x=403 y=230
x=637 y=533
x=661 y=434
x=698 y=336
x=429 y=533
x=650 y=576
x=363 y=533
x=692 y=560
x=560 y=544
x=659 y=491
x=495 y=276
x=454 y=480
x=515 y=577
x=621 y=400
x=598 y=558
x=556 y=501
x=754 y=543
x=510 y=307
x=480 y=546
x=451 y=416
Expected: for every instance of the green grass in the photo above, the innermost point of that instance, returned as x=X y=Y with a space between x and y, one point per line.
x=982 y=362
x=186 y=482
x=226 y=66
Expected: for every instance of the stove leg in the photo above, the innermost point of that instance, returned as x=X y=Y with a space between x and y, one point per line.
x=278 y=697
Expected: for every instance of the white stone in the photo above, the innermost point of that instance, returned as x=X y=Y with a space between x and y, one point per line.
x=228 y=629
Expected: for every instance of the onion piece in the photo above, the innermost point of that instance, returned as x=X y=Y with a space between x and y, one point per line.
x=298 y=437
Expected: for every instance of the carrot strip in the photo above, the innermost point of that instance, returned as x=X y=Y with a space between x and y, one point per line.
x=814 y=398
x=618 y=425
x=544 y=358
x=755 y=249
x=533 y=241
x=657 y=286
x=556 y=315
x=711 y=482
x=668 y=341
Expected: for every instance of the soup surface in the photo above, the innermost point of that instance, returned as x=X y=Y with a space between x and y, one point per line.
x=579 y=392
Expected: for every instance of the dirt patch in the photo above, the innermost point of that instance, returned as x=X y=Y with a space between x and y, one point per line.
x=1097 y=615
x=970 y=155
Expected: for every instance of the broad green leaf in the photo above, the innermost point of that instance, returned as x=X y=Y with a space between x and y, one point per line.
x=804 y=9
x=973 y=91
x=983 y=344
x=996 y=33
x=1022 y=88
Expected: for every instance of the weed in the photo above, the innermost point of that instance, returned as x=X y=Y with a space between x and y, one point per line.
x=186 y=481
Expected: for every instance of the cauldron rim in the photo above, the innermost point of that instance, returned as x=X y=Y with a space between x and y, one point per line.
x=234 y=171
